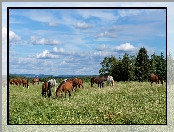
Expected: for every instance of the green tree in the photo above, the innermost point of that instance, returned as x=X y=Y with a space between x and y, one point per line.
x=116 y=70
x=158 y=65
x=132 y=76
x=142 y=65
x=125 y=67
x=106 y=65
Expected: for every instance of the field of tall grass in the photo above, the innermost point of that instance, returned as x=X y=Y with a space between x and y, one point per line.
x=124 y=103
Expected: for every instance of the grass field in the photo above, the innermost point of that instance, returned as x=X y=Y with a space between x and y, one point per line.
x=125 y=103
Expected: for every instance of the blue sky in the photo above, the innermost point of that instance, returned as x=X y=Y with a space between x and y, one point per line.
x=75 y=41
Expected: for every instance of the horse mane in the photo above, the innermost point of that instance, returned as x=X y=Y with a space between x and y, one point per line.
x=60 y=85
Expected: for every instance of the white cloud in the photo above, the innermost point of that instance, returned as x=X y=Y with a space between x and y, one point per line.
x=53 y=24
x=46 y=55
x=102 y=48
x=55 y=49
x=126 y=48
x=106 y=34
x=13 y=38
x=83 y=25
x=107 y=16
x=44 y=41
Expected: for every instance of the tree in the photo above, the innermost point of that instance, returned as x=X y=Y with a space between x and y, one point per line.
x=158 y=65
x=132 y=76
x=106 y=65
x=125 y=68
x=142 y=65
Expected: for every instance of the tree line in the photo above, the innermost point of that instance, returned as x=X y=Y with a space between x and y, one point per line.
x=134 y=68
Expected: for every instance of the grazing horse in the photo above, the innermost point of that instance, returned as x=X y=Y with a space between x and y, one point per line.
x=98 y=80
x=65 y=86
x=35 y=80
x=110 y=80
x=25 y=83
x=19 y=81
x=46 y=89
x=11 y=82
x=15 y=81
x=53 y=83
x=79 y=82
x=155 y=78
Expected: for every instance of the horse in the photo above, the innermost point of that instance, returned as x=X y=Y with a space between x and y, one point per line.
x=53 y=83
x=79 y=82
x=46 y=89
x=35 y=80
x=155 y=78
x=65 y=86
x=110 y=80
x=11 y=81
x=19 y=81
x=25 y=83
x=98 y=80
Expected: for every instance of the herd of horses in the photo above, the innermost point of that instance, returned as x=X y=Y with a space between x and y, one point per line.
x=71 y=84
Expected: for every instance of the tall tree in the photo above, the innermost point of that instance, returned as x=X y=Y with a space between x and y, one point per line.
x=142 y=65
x=106 y=65
x=125 y=69
x=132 y=76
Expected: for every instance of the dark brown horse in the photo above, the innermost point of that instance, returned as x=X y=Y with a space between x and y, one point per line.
x=98 y=80
x=35 y=80
x=63 y=87
x=11 y=81
x=155 y=78
x=25 y=83
x=77 y=82
x=46 y=89
x=15 y=81
x=19 y=81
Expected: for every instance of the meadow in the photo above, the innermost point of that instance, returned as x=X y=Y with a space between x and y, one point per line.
x=124 y=103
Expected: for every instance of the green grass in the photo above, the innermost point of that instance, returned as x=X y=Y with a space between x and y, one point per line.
x=125 y=103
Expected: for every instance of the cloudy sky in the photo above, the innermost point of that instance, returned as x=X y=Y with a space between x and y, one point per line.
x=75 y=41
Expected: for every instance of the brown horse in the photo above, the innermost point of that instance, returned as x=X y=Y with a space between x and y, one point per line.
x=46 y=89
x=19 y=81
x=79 y=82
x=98 y=80
x=11 y=82
x=25 y=83
x=35 y=80
x=65 y=86
x=155 y=78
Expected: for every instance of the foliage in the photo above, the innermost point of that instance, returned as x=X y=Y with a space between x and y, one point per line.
x=134 y=68
x=142 y=65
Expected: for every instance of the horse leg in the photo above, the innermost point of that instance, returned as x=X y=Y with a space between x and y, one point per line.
x=151 y=83
x=82 y=86
x=69 y=93
x=91 y=84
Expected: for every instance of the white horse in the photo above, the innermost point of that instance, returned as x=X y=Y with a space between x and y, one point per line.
x=110 y=80
x=53 y=83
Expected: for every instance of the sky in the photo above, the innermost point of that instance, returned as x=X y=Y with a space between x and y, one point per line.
x=75 y=41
